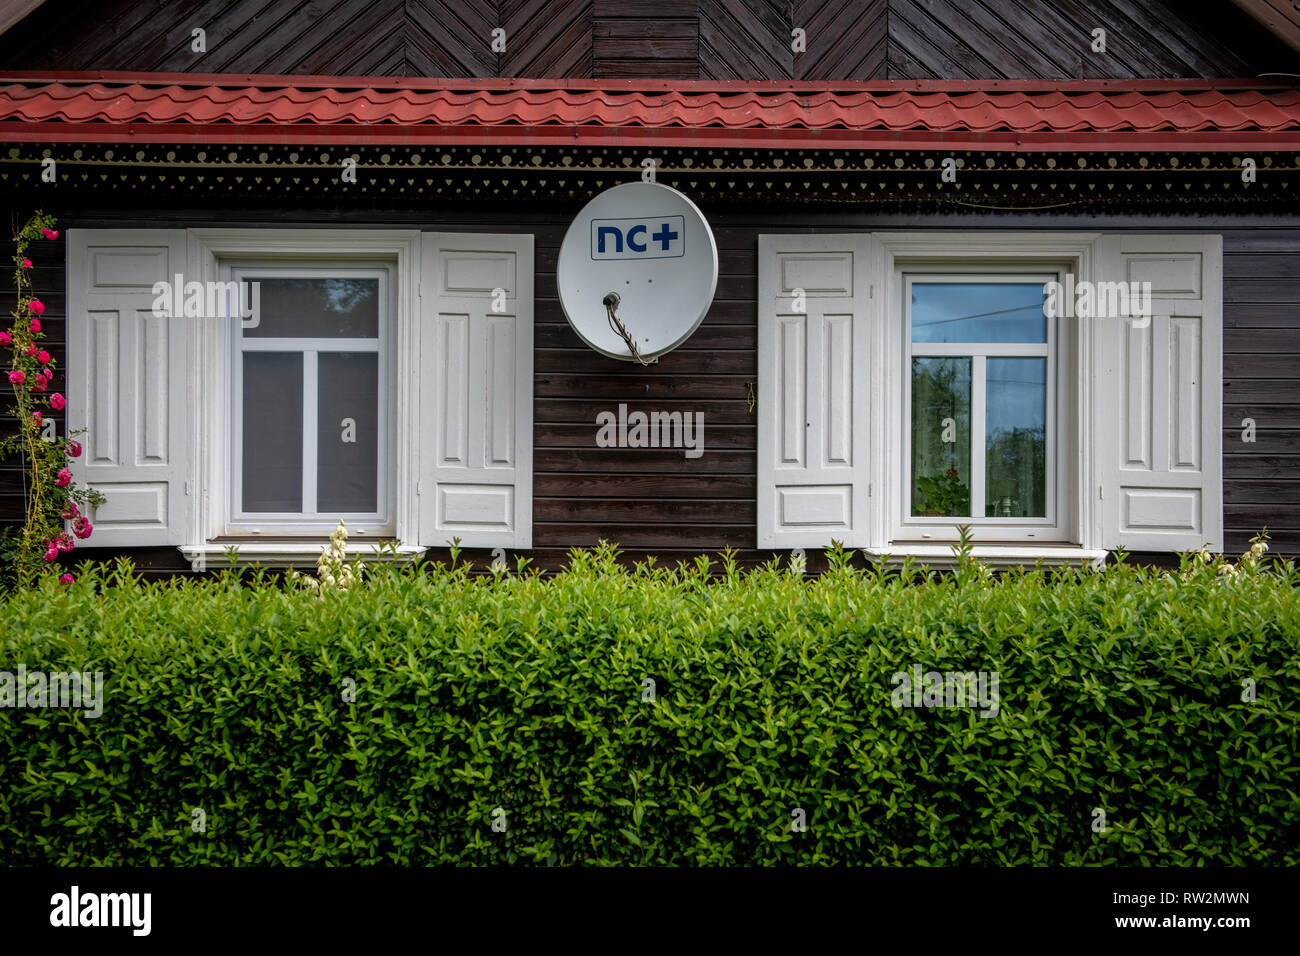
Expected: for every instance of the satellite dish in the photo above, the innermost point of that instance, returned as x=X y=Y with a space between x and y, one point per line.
x=638 y=260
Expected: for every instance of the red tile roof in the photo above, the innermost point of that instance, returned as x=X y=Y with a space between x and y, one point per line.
x=1027 y=115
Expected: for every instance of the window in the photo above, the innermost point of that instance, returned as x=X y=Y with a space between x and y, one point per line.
x=980 y=429
x=383 y=379
x=911 y=382
x=310 y=393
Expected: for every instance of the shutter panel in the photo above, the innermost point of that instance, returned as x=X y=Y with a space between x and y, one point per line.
x=476 y=390
x=1158 y=396
x=812 y=391
x=127 y=380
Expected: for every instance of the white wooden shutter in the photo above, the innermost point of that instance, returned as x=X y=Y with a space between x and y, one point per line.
x=812 y=390
x=476 y=390
x=126 y=383
x=1158 y=396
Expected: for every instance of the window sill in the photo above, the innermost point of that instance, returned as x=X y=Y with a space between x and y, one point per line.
x=997 y=555
x=287 y=554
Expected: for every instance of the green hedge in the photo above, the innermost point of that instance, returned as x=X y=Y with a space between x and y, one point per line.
x=1120 y=690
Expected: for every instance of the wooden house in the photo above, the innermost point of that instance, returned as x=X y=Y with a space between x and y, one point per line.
x=1031 y=266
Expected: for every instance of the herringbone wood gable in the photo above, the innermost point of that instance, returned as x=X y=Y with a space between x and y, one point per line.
x=667 y=39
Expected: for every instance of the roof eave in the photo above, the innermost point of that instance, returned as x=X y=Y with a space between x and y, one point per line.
x=595 y=135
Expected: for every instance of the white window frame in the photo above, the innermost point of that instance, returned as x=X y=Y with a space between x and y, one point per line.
x=1078 y=532
x=1053 y=527
x=309 y=522
x=1137 y=476
x=209 y=251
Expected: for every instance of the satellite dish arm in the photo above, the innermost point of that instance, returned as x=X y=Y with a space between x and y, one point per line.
x=610 y=302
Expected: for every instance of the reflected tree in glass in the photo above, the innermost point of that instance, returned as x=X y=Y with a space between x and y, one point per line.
x=941 y=397
x=1016 y=438
x=308 y=307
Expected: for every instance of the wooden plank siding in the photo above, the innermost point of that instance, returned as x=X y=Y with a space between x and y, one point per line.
x=645 y=40
x=669 y=39
x=656 y=501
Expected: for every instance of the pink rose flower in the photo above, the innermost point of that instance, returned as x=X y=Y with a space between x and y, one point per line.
x=64 y=541
x=82 y=527
x=64 y=479
x=74 y=451
x=36 y=306
x=27 y=263
x=17 y=377
x=31 y=350
x=51 y=554
x=65 y=579
x=39 y=383
x=50 y=233
x=6 y=338
x=36 y=417
x=57 y=401
x=42 y=356
x=69 y=511
x=34 y=325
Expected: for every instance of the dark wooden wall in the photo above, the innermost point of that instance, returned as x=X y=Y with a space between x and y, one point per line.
x=663 y=39
x=658 y=502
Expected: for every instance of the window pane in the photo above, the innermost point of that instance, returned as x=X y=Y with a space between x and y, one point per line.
x=1016 y=445
x=272 y=432
x=348 y=432
x=317 y=308
x=978 y=312
x=941 y=436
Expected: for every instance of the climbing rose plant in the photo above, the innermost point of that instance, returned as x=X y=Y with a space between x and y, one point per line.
x=54 y=519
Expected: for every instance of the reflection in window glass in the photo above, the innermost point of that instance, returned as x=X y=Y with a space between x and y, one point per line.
x=941 y=395
x=310 y=307
x=978 y=312
x=1016 y=438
